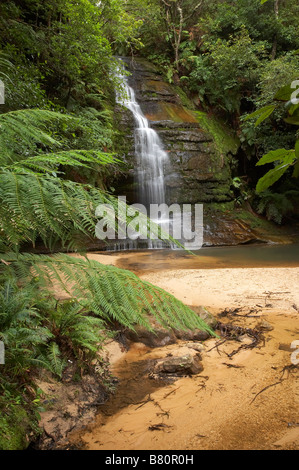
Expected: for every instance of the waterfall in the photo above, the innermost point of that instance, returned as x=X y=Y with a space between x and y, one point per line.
x=150 y=158
x=150 y=155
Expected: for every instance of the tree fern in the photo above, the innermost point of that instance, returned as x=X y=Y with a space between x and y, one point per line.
x=30 y=129
x=37 y=202
x=50 y=162
x=22 y=128
x=111 y=293
x=34 y=201
x=34 y=205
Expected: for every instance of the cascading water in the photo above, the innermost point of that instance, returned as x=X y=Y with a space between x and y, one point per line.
x=150 y=158
x=149 y=152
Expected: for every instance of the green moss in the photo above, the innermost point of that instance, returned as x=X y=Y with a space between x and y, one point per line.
x=223 y=207
x=172 y=112
x=225 y=140
x=251 y=219
x=15 y=425
x=186 y=102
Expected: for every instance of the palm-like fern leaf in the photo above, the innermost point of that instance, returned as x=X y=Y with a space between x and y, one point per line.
x=49 y=162
x=111 y=293
x=44 y=206
x=33 y=205
x=25 y=127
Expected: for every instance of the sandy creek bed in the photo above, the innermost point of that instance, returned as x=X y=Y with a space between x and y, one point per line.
x=246 y=401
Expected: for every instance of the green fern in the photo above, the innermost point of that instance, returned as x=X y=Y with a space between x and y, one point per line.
x=111 y=293
x=48 y=207
x=34 y=206
x=51 y=359
x=276 y=206
x=72 y=323
x=50 y=162
x=21 y=327
x=36 y=202
x=23 y=128
x=6 y=67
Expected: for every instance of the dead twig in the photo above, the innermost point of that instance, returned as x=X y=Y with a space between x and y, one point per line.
x=170 y=393
x=216 y=345
x=289 y=368
x=266 y=388
x=149 y=398
x=159 y=427
x=232 y=365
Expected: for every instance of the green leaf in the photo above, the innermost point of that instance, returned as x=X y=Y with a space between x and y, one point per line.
x=297 y=149
x=282 y=155
x=294 y=120
x=294 y=108
x=262 y=114
x=108 y=292
x=296 y=170
x=271 y=177
x=284 y=93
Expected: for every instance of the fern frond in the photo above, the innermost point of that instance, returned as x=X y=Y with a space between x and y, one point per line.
x=34 y=205
x=25 y=127
x=49 y=162
x=5 y=66
x=51 y=359
x=111 y=293
x=74 y=323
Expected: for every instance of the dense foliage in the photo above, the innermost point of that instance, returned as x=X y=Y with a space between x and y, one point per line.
x=56 y=150
x=234 y=58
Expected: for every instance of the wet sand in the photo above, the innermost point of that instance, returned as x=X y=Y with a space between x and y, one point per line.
x=244 y=400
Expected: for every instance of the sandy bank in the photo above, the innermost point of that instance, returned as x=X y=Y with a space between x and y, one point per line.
x=270 y=288
x=243 y=400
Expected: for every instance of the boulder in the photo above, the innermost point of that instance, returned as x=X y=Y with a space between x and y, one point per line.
x=184 y=365
x=192 y=335
x=153 y=339
x=160 y=337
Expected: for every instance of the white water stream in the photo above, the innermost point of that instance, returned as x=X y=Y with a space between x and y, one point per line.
x=150 y=160
x=150 y=155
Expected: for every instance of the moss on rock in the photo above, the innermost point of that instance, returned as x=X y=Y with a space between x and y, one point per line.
x=15 y=427
x=225 y=140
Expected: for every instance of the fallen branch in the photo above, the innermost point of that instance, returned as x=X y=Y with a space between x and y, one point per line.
x=216 y=345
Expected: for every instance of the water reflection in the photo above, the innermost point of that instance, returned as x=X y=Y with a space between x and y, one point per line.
x=208 y=258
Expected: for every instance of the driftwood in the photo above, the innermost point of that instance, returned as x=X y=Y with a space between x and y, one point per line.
x=234 y=332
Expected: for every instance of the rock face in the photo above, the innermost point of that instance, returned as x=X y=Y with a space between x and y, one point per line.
x=200 y=149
